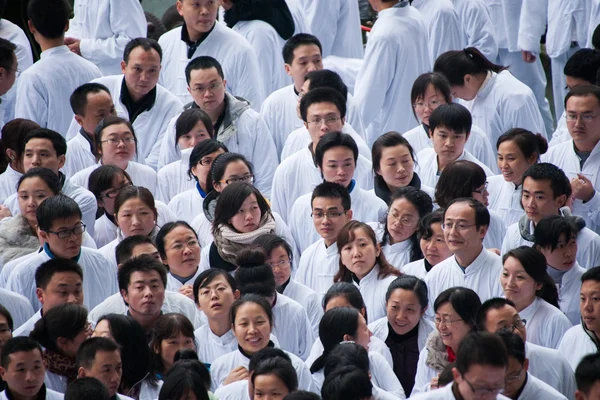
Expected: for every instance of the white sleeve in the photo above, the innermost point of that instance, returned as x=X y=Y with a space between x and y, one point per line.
x=423 y=376
x=248 y=83
x=532 y=25
x=384 y=376
x=168 y=151
x=32 y=100
x=173 y=110
x=445 y=34
x=264 y=157
x=322 y=17
x=478 y=28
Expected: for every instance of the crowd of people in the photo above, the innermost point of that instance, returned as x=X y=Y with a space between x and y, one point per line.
x=259 y=206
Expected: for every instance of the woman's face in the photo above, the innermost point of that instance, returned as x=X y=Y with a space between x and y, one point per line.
x=135 y=218
x=117 y=145
x=247 y=218
x=103 y=330
x=402 y=220
x=396 y=166
x=425 y=105
x=170 y=346
x=182 y=251
x=202 y=168
x=563 y=257
x=216 y=298
x=468 y=90
x=360 y=255
x=198 y=134
x=235 y=171
x=518 y=285
x=5 y=332
x=362 y=335
x=107 y=197
x=403 y=311
x=269 y=387
x=512 y=162
x=71 y=346
x=280 y=262
x=435 y=248
x=252 y=327
x=451 y=326
x=31 y=192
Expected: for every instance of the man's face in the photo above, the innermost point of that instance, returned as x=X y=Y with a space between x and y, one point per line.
x=107 y=368
x=515 y=376
x=199 y=15
x=307 y=58
x=99 y=106
x=461 y=234
x=538 y=199
x=41 y=153
x=145 y=293
x=563 y=257
x=328 y=227
x=8 y=76
x=582 y=114
x=592 y=394
x=589 y=305
x=338 y=165
x=64 y=287
x=322 y=118
x=505 y=318
x=207 y=88
x=25 y=373
x=68 y=247
x=448 y=145
x=141 y=71
x=480 y=382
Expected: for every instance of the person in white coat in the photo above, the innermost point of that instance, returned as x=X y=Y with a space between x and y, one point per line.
x=495 y=98
x=391 y=65
x=476 y=24
x=545 y=192
x=23 y=371
x=202 y=35
x=336 y=155
x=526 y=282
x=99 y=31
x=465 y=225
x=44 y=88
x=15 y=310
x=586 y=375
x=235 y=123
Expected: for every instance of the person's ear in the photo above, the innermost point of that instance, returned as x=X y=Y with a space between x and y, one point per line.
x=67 y=25
x=561 y=201
x=378 y=250
x=236 y=294
x=2 y=373
x=81 y=373
x=455 y=374
x=31 y=27
x=79 y=119
x=482 y=231
x=43 y=234
x=343 y=121
x=123 y=66
x=526 y=365
x=347 y=338
x=125 y=296
x=39 y=293
x=579 y=395
x=349 y=215
x=179 y=6
x=61 y=161
x=288 y=69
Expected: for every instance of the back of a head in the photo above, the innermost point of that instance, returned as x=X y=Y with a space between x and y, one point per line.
x=584 y=65
x=49 y=17
x=481 y=348
x=347 y=383
x=327 y=78
x=459 y=179
x=88 y=389
x=596 y=38
x=64 y=320
x=254 y=276
x=183 y=383
x=302 y=395
x=266 y=354
x=515 y=346
x=7 y=54
x=587 y=373
x=347 y=354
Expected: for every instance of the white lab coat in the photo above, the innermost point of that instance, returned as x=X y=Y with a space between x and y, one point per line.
x=187 y=205
x=17 y=305
x=232 y=50
x=318 y=265
x=482 y=276
x=444 y=393
x=561 y=134
x=298 y=175
x=100 y=280
x=309 y=300
x=366 y=207
x=575 y=345
x=26 y=328
x=292 y=326
x=297 y=10
x=478 y=144
x=550 y=366
x=536 y=389
x=173 y=179
x=546 y=324
x=398 y=254
x=477 y=26
x=504 y=199
x=12 y=264
x=44 y=89
x=174 y=303
x=337 y=25
x=588 y=244
x=443 y=26
x=234 y=391
x=427 y=165
x=568 y=293
x=564 y=157
x=391 y=65
x=174 y=284
x=347 y=68
x=8 y=181
x=141 y=175
x=210 y=346
x=376 y=345
x=502 y=103
x=300 y=139
x=223 y=365
x=373 y=289
x=415 y=268
x=79 y=153
x=380 y=329
x=105 y=27
x=50 y=395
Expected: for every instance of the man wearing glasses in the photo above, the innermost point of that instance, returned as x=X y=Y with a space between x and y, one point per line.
x=548 y=365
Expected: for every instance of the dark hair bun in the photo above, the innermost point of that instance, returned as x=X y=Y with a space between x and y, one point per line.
x=249 y=258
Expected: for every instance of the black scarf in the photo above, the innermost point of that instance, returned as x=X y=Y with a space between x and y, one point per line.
x=274 y=12
x=134 y=109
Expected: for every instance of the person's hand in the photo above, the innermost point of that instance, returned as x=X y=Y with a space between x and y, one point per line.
x=528 y=56
x=4 y=212
x=434 y=382
x=237 y=374
x=187 y=291
x=582 y=188
x=73 y=45
x=495 y=251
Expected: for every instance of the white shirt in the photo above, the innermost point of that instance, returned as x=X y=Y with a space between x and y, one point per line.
x=173 y=179
x=373 y=289
x=415 y=268
x=504 y=199
x=26 y=328
x=234 y=391
x=546 y=324
x=141 y=175
x=210 y=346
x=232 y=50
x=318 y=265
x=381 y=329
x=292 y=326
x=427 y=165
x=17 y=305
x=174 y=284
x=366 y=207
x=398 y=254
x=79 y=154
x=105 y=27
x=444 y=393
x=552 y=367
x=535 y=389
x=8 y=181
x=477 y=26
x=44 y=89
x=482 y=276
x=391 y=66
x=568 y=293
x=298 y=174
x=100 y=280
x=309 y=299
x=187 y=205
x=50 y=394
x=575 y=345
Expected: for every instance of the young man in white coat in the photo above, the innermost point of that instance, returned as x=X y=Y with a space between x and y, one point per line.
x=100 y=30
x=44 y=89
x=235 y=123
x=548 y=365
x=587 y=376
x=545 y=192
x=201 y=34
x=465 y=225
x=391 y=65
x=584 y=338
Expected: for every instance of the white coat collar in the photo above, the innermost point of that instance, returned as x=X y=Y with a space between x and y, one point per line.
x=58 y=50
x=224 y=340
x=370 y=277
x=529 y=311
x=330 y=251
x=476 y=265
x=487 y=85
x=399 y=247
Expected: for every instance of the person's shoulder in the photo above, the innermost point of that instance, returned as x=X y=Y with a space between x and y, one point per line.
x=169 y=37
x=165 y=96
x=275 y=98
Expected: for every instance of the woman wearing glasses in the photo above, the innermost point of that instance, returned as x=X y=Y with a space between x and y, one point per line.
x=192 y=127
x=116 y=144
x=455 y=316
x=188 y=204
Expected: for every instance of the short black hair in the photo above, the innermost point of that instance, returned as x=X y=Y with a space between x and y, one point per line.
x=87 y=388
x=124 y=249
x=332 y=190
x=58 y=141
x=6 y=314
x=145 y=43
x=45 y=272
x=78 y=98
x=347 y=383
x=302 y=395
x=202 y=62
x=460 y=178
x=181 y=383
x=559 y=182
x=482 y=215
x=207 y=276
x=280 y=367
x=335 y=139
x=16 y=345
x=55 y=208
x=439 y=82
x=583 y=91
x=583 y=64
x=464 y=301
x=266 y=354
x=300 y=39
x=412 y=284
x=451 y=116
x=495 y=303
x=515 y=346
x=269 y=242
x=49 y=17
x=549 y=230
x=480 y=348
x=587 y=372
x=592 y=274
x=327 y=79
x=7 y=54
x=86 y=353
x=322 y=95
x=141 y=263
